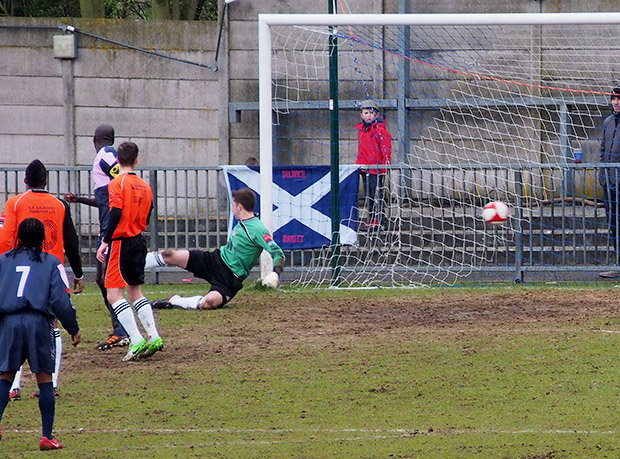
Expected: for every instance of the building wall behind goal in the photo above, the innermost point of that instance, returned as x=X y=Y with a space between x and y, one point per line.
x=177 y=113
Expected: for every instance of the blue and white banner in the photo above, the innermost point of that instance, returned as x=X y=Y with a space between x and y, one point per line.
x=302 y=203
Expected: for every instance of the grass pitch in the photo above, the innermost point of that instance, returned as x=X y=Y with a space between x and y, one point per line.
x=512 y=372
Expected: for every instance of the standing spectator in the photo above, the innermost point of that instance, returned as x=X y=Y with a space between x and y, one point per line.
x=374 y=147
x=609 y=177
x=251 y=161
x=105 y=168
x=227 y=267
x=35 y=291
x=60 y=238
x=131 y=202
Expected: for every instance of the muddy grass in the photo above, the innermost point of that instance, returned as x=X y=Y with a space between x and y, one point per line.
x=258 y=322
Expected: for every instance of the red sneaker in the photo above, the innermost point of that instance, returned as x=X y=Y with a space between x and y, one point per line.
x=46 y=444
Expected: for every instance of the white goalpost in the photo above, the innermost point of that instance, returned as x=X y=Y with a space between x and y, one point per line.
x=480 y=107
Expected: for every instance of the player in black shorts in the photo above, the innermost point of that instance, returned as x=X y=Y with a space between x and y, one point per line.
x=226 y=267
x=35 y=291
x=210 y=267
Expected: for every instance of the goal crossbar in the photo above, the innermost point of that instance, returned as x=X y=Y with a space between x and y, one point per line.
x=438 y=19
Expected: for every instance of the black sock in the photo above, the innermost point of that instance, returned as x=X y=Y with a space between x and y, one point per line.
x=47 y=405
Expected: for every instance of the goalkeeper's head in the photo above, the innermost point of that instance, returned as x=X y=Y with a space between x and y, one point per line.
x=245 y=197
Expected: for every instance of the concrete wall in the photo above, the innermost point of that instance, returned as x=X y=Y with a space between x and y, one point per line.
x=170 y=109
x=177 y=113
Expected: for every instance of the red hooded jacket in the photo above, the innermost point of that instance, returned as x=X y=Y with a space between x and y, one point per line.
x=375 y=145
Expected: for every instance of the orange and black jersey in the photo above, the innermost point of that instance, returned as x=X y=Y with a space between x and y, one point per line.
x=131 y=202
x=54 y=213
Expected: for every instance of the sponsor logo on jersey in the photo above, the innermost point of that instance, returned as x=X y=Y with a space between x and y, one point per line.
x=115 y=170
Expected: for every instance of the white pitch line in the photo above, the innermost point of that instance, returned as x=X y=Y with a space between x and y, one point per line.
x=317 y=436
x=399 y=431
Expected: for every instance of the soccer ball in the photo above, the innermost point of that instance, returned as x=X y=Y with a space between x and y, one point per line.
x=495 y=213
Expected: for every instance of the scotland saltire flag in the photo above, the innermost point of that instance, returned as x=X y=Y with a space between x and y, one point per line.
x=302 y=203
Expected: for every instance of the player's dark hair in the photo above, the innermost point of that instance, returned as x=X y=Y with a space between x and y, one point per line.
x=30 y=236
x=36 y=174
x=104 y=136
x=246 y=198
x=127 y=153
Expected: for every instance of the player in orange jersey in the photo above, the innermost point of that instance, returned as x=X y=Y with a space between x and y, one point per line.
x=60 y=238
x=131 y=202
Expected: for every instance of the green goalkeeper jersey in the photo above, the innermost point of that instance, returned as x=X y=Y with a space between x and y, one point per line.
x=249 y=238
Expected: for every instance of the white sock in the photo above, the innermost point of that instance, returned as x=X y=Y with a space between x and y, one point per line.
x=154 y=260
x=123 y=311
x=58 y=342
x=145 y=314
x=191 y=302
x=17 y=381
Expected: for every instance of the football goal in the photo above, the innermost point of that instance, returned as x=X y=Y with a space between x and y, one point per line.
x=479 y=107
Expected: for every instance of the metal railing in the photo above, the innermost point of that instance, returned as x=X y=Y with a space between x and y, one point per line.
x=558 y=222
x=190 y=205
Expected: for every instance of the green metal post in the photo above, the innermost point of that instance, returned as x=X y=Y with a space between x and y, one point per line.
x=334 y=136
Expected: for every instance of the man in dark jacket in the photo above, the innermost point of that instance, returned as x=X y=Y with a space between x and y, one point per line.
x=609 y=177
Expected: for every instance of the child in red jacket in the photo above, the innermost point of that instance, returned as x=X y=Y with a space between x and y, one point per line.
x=374 y=147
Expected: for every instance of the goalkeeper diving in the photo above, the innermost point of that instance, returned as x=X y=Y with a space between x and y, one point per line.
x=227 y=267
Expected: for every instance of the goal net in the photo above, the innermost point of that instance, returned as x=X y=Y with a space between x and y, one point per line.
x=480 y=108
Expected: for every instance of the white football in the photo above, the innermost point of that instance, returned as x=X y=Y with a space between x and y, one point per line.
x=496 y=213
x=271 y=280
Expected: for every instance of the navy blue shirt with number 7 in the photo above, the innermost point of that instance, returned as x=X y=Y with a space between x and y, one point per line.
x=32 y=286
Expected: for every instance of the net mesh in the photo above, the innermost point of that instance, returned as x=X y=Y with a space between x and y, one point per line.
x=486 y=113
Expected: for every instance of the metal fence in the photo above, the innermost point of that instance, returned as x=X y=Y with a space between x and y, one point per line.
x=558 y=228
x=190 y=205
x=558 y=223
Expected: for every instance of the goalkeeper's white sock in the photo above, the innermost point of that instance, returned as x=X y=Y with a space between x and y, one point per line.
x=58 y=342
x=17 y=380
x=145 y=314
x=191 y=302
x=154 y=260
